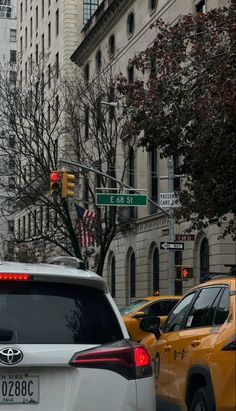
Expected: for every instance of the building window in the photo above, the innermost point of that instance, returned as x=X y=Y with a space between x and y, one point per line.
x=113 y=276
x=86 y=73
x=36 y=18
x=90 y=7
x=42 y=9
x=154 y=179
x=49 y=3
x=204 y=257
x=42 y=45
x=98 y=60
x=26 y=5
x=49 y=75
x=201 y=7
x=49 y=34
x=12 y=56
x=132 y=271
x=152 y=4
x=31 y=63
x=21 y=12
x=130 y=74
x=12 y=77
x=131 y=210
x=57 y=22
x=21 y=46
x=155 y=271
x=37 y=54
x=13 y=35
x=111 y=45
x=29 y=225
x=31 y=28
x=57 y=108
x=130 y=24
x=26 y=37
x=26 y=71
x=57 y=65
x=86 y=123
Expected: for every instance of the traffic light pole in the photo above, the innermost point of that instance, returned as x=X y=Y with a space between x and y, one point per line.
x=94 y=170
x=171 y=255
x=169 y=213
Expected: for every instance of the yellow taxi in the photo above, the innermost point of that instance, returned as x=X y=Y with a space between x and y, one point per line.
x=148 y=306
x=194 y=352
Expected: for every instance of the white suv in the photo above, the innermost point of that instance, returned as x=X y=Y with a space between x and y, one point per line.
x=64 y=346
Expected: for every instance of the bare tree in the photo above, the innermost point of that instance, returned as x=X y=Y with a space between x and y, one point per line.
x=46 y=117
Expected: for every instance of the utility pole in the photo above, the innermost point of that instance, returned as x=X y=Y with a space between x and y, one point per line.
x=171 y=256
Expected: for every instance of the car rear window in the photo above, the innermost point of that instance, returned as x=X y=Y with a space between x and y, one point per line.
x=51 y=313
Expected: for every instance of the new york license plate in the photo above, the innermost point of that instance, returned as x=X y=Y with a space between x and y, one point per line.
x=19 y=388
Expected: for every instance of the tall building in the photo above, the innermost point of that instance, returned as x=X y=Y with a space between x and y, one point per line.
x=136 y=264
x=8 y=44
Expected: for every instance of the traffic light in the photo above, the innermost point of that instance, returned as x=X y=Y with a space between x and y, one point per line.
x=183 y=272
x=55 y=184
x=186 y=273
x=68 y=185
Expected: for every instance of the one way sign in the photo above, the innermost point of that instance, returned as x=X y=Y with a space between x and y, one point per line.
x=166 y=245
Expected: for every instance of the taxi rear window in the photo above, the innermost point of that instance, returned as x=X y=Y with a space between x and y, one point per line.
x=51 y=313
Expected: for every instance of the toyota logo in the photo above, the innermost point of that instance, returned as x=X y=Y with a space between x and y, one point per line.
x=10 y=356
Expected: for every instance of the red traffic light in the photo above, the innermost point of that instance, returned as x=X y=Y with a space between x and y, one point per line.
x=55 y=177
x=185 y=273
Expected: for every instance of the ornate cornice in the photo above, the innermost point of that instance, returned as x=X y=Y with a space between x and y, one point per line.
x=98 y=29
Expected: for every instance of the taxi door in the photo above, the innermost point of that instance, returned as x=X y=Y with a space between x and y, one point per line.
x=193 y=343
x=162 y=348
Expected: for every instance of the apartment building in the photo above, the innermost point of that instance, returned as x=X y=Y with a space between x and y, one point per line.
x=47 y=33
x=7 y=61
x=136 y=264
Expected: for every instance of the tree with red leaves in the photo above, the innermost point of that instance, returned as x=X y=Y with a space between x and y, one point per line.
x=185 y=101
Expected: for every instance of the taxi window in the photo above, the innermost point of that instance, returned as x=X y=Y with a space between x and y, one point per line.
x=222 y=310
x=132 y=307
x=175 y=319
x=203 y=309
x=51 y=313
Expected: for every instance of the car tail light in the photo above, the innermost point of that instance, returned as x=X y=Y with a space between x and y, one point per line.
x=126 y=358
x=231 y=345
x=14 y=277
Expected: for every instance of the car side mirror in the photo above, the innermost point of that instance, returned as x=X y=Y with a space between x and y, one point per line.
x=139 y=314
x=151 y=324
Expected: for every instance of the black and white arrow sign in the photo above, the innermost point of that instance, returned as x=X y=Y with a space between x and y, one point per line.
x=166 y=245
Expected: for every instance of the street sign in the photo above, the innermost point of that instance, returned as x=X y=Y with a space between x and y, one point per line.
x=169 y=200
x=184 y=237
x=121 y=199
x=166 y=245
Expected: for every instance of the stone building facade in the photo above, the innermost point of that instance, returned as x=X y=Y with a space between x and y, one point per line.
x=8 y=44
x=136 y=264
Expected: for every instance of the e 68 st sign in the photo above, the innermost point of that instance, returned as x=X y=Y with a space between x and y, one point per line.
x=121 y=199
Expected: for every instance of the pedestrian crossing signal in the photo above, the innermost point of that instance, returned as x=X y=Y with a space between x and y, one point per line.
x=183 y=272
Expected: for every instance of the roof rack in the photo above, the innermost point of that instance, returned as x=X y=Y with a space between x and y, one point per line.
x=68 y=261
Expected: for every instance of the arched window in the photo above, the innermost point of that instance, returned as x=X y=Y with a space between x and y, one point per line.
x=112 y=45
x=132 y=276
x=113 y=276
x=155 y=271
x=204 y=257
x=98 y=60
x=130 y=23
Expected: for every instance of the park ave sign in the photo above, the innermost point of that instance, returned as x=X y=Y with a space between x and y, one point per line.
x=166 y=245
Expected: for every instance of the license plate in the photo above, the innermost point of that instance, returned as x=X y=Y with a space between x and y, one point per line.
x=19 y=388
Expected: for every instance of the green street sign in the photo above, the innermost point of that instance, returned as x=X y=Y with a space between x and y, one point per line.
x=121 y=199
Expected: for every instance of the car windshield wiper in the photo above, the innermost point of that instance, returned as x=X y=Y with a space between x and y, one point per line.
x=5 y=334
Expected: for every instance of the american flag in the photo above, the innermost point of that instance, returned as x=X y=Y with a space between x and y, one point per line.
x=86 y=220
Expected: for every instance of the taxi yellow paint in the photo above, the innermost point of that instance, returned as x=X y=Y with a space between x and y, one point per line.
x=178 y=355
x=153 y=305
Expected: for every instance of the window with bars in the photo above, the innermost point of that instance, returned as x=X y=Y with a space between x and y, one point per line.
x=89 y=7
